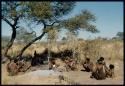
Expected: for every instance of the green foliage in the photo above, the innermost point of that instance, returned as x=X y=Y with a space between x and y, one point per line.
x=13 y=10
x=81 y=21
x=48 y=12
x=40 y=10
x=120 y=35
x=52 y=34
x=62 y=8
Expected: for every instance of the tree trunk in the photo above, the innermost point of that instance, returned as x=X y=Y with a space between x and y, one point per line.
x=13 y=36
x=37 y=38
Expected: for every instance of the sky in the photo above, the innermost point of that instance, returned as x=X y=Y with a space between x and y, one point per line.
x=109 y=19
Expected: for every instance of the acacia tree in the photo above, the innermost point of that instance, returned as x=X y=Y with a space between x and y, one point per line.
x=120 y=35
x=11 y=14
x=81 y=21
x=48 y=14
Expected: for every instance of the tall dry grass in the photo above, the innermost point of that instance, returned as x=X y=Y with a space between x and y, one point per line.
x=91 y=48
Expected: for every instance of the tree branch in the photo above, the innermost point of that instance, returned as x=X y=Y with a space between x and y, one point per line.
x=51 y=24
x=28 y=33
x=30 y=43
x=15 y=21
x=7 y=21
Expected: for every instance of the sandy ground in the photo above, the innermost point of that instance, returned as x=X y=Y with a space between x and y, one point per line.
x=80 y=77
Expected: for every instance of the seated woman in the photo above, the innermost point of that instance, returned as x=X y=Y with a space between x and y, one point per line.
x=98 y=71
x=101 y=71
x=108 y=70
x=88 y=65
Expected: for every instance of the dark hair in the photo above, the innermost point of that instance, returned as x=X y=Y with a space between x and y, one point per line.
x=15 y=60
x=88 y=59
x=111 y=66
x=35 y=52
x=101 y=58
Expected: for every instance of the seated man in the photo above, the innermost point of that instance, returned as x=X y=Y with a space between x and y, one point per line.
x=67 y=64
x=73 y=65
x=98 y=71
x=12 y=68
x=88 y=65
x=70 y=64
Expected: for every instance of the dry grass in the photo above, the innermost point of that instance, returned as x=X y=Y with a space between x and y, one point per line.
x=111 y=50
x=96 y=48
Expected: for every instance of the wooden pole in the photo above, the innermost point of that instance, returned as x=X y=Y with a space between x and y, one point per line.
x=48 y=53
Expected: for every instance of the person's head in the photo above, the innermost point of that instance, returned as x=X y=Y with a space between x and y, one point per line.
x=15 y=60
x=87 y=59
x=101 y=58
x=111 y=66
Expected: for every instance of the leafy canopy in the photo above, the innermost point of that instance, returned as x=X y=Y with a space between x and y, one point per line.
x=81 y=21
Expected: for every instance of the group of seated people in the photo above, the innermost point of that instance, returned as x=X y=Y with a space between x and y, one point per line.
x=70 y=64
x=15 y=66
x=99 y=69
